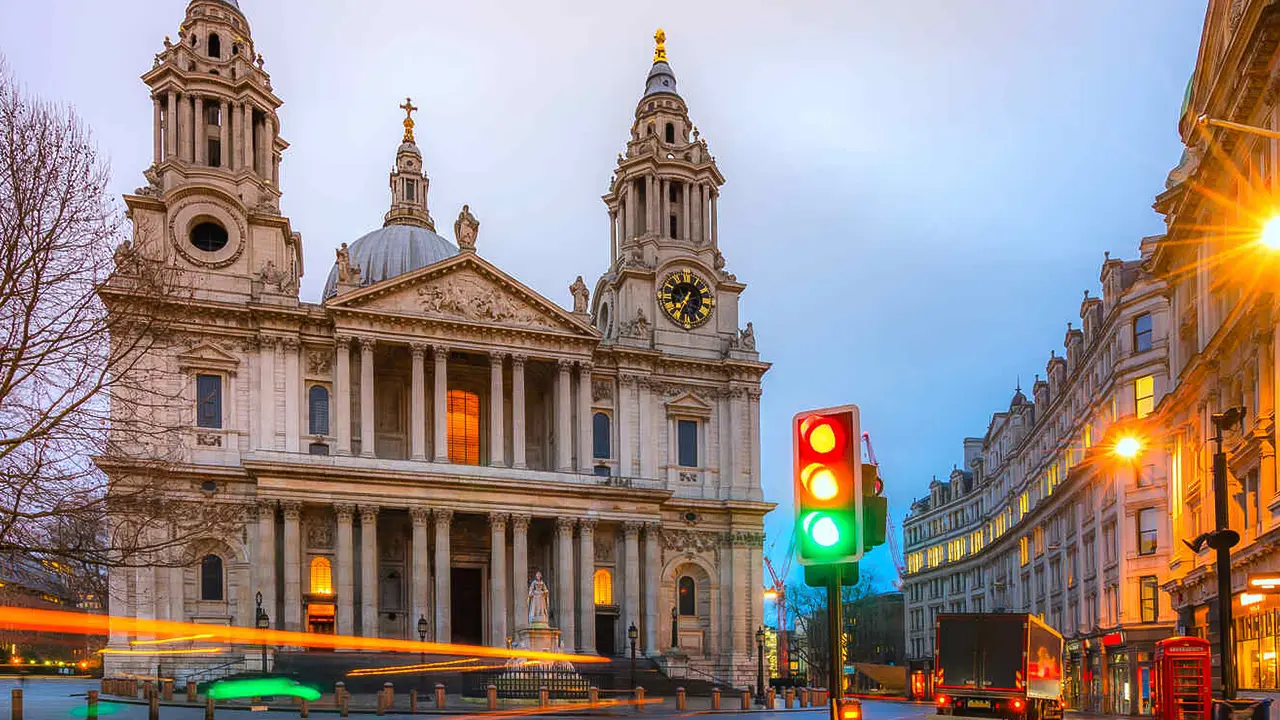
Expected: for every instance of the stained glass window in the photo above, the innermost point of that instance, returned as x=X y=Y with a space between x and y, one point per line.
x=464 y=427
x=321 y=576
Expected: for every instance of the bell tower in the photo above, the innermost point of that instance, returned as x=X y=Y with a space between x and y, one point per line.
x=212 y=199
x=409 y=181
x=664 y=240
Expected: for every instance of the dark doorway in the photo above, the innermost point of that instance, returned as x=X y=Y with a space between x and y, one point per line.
x=605 y=634
x=467 y=605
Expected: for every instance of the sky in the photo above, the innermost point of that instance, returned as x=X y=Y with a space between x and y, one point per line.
x=918 y=191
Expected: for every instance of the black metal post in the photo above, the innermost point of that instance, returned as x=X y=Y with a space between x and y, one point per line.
x=1222 y=545
x=675 y=617
x=760 y=664
x=261 y=622
x=835 y=623
x=633 y=660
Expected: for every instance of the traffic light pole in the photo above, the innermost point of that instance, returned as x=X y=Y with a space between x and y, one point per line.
x=835 y=629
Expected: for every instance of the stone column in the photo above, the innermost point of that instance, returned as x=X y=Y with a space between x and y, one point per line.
x=564 y=430
x=631 y=572
x=266 y=560
x=497 y=444
x=421 y=574
x=651 y=205
x=714 y=240
x=652 y=581
x=517 y=412
x=183 y=138
x=366 y=396
x=613 y=228
x=246 y=139
x=157 y=132
x=224 y=135
x=439 y=404
x=267 y=392
x=737 y=603
x=444 y=596
x=176 y=592
x=292 y=394
x=586 y=584
x=664 y=208
x=368 y=571
x=564 y=579
x=629 y=230
x=342 y=393
x=418 y=403
x=292 y=570
x=685 y=197
x=696 y=223
x=344 y=569
x=626 y=386
x=1267 y=486
x=646 y=430
x=201 y=154
x=145 y=593
x=497 y=579
x=171 y=126
x=753 y=406
x=520 y=569
x=584 y=417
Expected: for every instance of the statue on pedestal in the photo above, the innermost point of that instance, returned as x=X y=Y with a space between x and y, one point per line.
x=539 y=610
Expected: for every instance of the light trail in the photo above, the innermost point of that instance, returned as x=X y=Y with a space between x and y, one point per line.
x=419 y=666
x=202 y=636
x=186 y=651
x=410 y=669
x=62 y=621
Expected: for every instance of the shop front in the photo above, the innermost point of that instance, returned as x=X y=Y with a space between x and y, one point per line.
x=920 y=679
x=1111 y=673
x=1072 y=673
x=1256 y=645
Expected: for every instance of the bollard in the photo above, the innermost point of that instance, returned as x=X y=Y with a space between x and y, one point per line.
x=91 y=712
x=167 y=689
x=413 y=701
x=746 y=699
x=439 y=696
x=544 y=696
x=16 y=709
x=343 y=702
x=382 y=702
x=191 y=691
x=304 y=710
x=804 y=697
x=153 y=708
x=208 y=708
x=715 y=698
x=770 y=697
x=680 y=698
x=639 y=699
x=390 y=692
x=788 y=696
x=492 y=692
x=593 y=696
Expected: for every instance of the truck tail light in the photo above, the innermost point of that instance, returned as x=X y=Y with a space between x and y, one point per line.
x=943 y=701
x=1017 y=704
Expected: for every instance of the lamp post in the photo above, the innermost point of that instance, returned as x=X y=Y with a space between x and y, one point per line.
x=422 y=636
x=760 y=664
x=675 y=628
x=262 y=621
x=1222 y=540
x=632 y=634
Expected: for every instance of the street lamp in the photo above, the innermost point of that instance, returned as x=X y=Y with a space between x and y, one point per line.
x=760 y=664
x=1128 y=447
x=632 y=634
x=262 y=621
x=675 y=628
x=422 y=634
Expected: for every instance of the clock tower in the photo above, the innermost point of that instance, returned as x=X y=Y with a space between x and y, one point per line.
x=667 y=288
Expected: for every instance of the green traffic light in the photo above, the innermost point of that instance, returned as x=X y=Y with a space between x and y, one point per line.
x=825 y=532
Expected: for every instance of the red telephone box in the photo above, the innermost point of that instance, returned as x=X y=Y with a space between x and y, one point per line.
x=1181 y=690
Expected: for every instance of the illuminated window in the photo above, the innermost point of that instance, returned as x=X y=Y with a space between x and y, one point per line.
x=211 y=578
x=688 y=596
x=603 y=583
x=464 y=427
x=1147 y=531
x=321 y=577
x=1144 y=395
x=1150 y=598
x=1023 y=502
x=1024 y=550
x=1039 y=540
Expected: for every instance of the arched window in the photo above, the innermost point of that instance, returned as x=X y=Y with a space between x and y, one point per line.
x=464 y=427
x=600 y=436
x=215 y=46
x=211 y=578
x=688 y=596
x=321 y=576
x=318 y=410
x=671 y=133
x=603 y=583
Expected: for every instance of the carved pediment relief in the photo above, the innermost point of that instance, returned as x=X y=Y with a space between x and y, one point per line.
x=687 y=403
x=209 y=357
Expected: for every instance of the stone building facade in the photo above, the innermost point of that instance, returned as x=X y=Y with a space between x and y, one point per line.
x=1222 y=343
x=1044 y=517
x=433 y=432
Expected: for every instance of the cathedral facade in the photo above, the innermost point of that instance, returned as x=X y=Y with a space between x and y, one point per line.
x=410 y=451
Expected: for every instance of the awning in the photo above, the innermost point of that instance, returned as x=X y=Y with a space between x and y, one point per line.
x=890 y=677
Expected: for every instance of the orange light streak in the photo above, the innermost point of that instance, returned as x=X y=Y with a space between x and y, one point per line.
x=202 y=636
x=186 y=651
x=417 y=666
x=411 y=669
x=12 y=618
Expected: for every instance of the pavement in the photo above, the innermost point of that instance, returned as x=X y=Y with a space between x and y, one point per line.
x=60 y=698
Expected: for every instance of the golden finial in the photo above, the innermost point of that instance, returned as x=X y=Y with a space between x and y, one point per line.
x=660 y=46
x=408 y=107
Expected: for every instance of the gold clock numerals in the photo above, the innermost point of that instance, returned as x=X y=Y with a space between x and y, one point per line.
x=686 y=299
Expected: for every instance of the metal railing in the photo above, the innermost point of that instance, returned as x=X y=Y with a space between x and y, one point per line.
x=527 y=684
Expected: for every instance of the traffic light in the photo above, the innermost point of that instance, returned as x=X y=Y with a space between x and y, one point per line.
x=828 y=485
x=875 y=508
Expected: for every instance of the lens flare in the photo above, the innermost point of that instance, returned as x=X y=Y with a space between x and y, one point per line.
x=1270 y=235
x=1128 y=447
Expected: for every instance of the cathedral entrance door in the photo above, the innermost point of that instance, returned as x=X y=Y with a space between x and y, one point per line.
x=605 y=634
x=320 y=618
x=467 y=605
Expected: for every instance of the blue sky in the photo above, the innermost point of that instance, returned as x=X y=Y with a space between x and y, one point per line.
x=919 y=191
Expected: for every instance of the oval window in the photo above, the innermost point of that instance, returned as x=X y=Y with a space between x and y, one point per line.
x=209 y=236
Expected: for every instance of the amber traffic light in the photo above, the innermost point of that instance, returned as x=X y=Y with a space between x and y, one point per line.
x=828 y=485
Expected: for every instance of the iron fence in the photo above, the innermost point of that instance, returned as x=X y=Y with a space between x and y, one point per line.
x=526 y=683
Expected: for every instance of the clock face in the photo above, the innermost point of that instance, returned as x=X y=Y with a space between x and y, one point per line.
x=686 y=299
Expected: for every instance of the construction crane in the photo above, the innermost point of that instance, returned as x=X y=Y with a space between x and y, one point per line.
x=778 y=592
x=894 y=550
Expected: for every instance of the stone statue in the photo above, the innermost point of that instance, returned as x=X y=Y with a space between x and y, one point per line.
x=539 y=610
x=580 y=295
x=465 y=229
x=719 y=260
x=747 y=338
x=346 y=271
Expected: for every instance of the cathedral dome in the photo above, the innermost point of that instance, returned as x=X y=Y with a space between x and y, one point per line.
x=390 y=251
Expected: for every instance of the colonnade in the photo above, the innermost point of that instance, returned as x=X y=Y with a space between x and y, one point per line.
x=246 y=141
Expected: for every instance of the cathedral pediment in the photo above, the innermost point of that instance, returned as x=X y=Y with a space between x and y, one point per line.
x=210 y=357
x=464 y=289
x=688 y=403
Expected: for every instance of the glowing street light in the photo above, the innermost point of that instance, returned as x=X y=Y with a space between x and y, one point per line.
x=1270 y=235
x=1128 y=447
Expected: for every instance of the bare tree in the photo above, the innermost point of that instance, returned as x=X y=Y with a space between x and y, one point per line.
x=88 y=431
x=809 y=605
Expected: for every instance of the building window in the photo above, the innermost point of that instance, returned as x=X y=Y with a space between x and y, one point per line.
x=1024 y=551
x=1142 y=333
x=602 y=582
x=209 y=236
x=671 y=133
x=1146 y=531
x=600 y=449
x=211 y=578
x=1144 y=395
x=688 y=596
x=209 y=401
x=1247 y=499
x=321 y=576
x=1150 y=600
x=464 y=427
x=318 y=410
x=687 y=443
x=410 y=189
